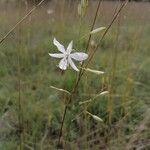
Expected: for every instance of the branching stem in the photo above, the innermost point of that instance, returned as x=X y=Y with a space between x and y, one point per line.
x=90 y=58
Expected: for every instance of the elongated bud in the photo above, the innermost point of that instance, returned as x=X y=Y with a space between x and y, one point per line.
x=97 y=118
x=61 y=90
x=93 y=71
x=104 y=93
x=94 y=117
x=97 y=30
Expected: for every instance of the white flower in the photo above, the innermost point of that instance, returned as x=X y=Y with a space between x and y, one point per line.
x=66 y=55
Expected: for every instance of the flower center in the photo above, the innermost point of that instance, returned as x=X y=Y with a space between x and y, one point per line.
x=67 y=55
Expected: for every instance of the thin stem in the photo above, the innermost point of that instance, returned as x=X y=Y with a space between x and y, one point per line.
x=88 y=43
x=20 y=104
x=20 y=115
x=87 y=47
x=103 y=36
x=112 y=74
x=106 y=31
x=21 y=20
x=94 y=21
x=61 y=128
x=76 y=84
x=81 y=73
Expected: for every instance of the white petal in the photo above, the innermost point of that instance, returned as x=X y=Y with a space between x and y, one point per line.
x=79 y=56
x=59 y=46
x=56 y=55
x=72 y=64
x=69 y=48
x=63 y=64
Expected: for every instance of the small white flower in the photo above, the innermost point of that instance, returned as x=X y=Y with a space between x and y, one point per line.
x=66 y=55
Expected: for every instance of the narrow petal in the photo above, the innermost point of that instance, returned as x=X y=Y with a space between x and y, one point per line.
x=69 y=48
x=72 y=64
x=63 y=64
x=57 y=55
x=59 y=46
x=79 y=56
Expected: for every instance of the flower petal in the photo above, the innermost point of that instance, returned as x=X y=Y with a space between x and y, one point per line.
x=63 y=64
x=57 y=55
x=79 y=56
x=69 y=48
x=59 y=46
x=72 y=64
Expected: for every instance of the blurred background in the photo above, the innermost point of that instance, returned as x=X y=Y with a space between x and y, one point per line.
x=31 y=112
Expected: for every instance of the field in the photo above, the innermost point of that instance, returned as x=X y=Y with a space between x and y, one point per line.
x=109 y=110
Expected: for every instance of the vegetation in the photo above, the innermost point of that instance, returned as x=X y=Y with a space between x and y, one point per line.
x=31 y=110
